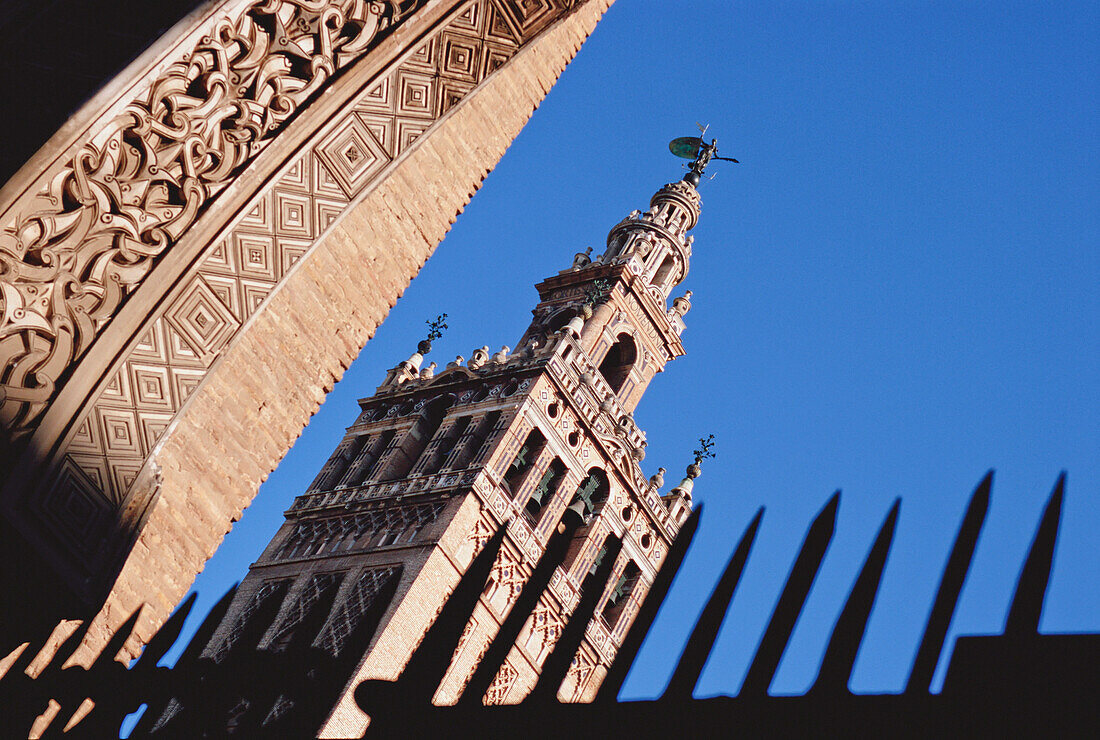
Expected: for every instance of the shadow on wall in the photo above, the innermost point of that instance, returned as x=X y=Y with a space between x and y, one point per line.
x=1018 y=683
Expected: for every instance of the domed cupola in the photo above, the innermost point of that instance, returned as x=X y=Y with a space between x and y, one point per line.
x=656 y=244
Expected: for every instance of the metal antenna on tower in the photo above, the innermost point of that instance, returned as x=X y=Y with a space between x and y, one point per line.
x=697 y=150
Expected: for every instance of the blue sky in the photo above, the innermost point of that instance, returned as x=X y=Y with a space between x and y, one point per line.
x=896 y=291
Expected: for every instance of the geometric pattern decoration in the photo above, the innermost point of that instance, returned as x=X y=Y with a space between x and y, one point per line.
x=502 y=683
x=351 y=611
x=91 y=229
x=317 y=590
x=271 y=589
x=243 y=265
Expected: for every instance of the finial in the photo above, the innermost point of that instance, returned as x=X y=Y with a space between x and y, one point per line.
x=697 y=150
x=428 y=373
x=695 y=469
x=681 y=305
x=435 y=331
x=478 y=358
x=704 y=452
x=501 y=357
x=582 y=259
x=658 y=479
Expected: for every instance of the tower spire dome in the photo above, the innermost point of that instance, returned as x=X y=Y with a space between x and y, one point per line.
x=656 y=244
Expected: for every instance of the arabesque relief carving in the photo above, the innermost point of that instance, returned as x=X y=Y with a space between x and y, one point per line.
x=71 y=257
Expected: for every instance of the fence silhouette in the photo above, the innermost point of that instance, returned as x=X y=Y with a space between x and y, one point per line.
x=1018 y=683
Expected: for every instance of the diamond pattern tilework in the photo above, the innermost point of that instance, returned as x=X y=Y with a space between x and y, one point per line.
x=416 y=94
x=152 y=386
x=203 y=320
x=353 y=156
x=75 y=501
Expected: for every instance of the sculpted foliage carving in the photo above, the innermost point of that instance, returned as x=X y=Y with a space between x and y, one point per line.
x=130 y=192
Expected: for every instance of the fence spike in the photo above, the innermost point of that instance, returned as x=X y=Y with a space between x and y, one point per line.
x=840 y=655
x=702 y=638
x=1031 y=587
x=951 y=583
x=556 y=665
x=624 y=658
x=797 y=588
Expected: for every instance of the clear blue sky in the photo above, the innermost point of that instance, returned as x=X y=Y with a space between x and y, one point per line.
x=895 y=291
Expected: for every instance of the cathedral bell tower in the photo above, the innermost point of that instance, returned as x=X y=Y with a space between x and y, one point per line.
x=542 y=438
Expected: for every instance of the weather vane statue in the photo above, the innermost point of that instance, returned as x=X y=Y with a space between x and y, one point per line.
x=697 y=150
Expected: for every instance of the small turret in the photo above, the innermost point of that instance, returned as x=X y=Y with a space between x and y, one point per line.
x=678 y=499
x=410 y=368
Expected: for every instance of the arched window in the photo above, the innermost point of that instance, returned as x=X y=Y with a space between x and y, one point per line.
x=544 y=491
x=417 y=438
x=617 y=362
x=559 y=319
x=368 y=459
x=309 y=612
x=591 y=494
x=522 y=462
x=472 y=447
x=446 y=444
x=338 y=464
x=620 y=595
x=586 y=502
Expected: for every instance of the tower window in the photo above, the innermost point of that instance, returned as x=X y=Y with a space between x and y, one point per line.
x=338 y=464
x=254 y=618
x=522 y=462
x=620 y=595
x=365 y=467
x=592 y=492
x=616 y=364
x=544 y=491
x=444 y=446
x=309 y=611
x=586 y=502
x=477 y=441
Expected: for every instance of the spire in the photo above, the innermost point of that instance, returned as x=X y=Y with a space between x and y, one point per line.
x=679 y=498
x=656 y=244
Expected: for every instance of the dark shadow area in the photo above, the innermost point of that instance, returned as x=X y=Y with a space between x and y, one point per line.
x=1020 y=683
x=58 y=53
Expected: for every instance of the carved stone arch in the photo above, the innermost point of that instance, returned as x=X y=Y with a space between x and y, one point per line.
x=222 y=272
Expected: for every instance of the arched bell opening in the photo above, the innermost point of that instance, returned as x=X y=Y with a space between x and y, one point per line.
x=522 y=463
x=585 y=505
x=544 y=491
x=618 y=361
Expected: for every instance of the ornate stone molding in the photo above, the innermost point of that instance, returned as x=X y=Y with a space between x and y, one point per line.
x=73 y=249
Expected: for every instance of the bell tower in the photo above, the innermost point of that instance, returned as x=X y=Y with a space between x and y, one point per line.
x=541 y=438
